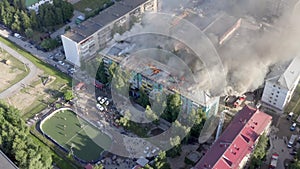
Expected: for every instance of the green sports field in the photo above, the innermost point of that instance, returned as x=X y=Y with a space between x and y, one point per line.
x=67 y=130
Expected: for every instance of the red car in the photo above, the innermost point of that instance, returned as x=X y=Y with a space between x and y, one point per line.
x=239 y=101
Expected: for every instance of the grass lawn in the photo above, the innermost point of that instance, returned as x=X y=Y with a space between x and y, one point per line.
x=66 y=129
x=15 y=65
x=82 y=5
x=294 y=104
x=61 y=79
x=30 y=2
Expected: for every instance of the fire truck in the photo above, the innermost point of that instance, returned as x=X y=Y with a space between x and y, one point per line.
x=274 y=161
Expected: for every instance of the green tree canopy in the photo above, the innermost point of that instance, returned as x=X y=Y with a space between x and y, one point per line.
x=16 y=144
x=173 y=107
x=68 y=95
x=101 y=76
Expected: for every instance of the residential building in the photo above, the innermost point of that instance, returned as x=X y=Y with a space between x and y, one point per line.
x=153 y=76
x=91 y=35
x=5 y=162
x=234 y=147
x=279 y=89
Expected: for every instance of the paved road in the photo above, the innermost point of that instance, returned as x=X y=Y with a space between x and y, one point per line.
x=25 y=81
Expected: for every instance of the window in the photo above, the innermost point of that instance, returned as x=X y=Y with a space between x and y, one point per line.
x=274 y=103
x=279 y=88
x=272 y=94
x=274 y=85
x=276 y=95
x=270 y=101
x=271 y=97
x=278 y=92
x=275 y=100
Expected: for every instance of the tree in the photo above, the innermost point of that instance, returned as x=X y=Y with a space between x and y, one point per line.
x=16 y=25
x=99 y=166
x=29 y=32
x=143 y=99
x=176 y=150
x=68 y=95
x=199 y=120
x=112 y=70
x=34 y=20
x=161 y=161
x=49 y=44
x=16 y=144
x=25 y=20
x=125 y=121
x=152 y=116
x=173 y=107
x=101 y=76
x=295 y=165
x=259 y=152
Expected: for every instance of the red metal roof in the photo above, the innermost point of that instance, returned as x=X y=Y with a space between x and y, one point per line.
x=88 y=166
x=236 y=141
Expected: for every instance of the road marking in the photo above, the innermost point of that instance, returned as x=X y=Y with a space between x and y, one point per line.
x=75 y=134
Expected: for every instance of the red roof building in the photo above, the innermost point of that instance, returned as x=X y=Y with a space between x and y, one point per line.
x=88 y=166
x=235 y=145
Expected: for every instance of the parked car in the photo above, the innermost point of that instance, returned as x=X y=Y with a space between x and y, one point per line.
x=290 y=116
x=99 y=107
x=61 y=62
x=293 y=127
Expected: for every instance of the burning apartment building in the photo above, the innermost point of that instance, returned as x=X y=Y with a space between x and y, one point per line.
x=156 y=75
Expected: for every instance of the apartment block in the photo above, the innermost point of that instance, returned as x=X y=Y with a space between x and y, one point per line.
x=279 y=89
x=153 y=76
x=93 y=34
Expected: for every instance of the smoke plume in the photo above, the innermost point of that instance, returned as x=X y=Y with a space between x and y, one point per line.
x=267 y=39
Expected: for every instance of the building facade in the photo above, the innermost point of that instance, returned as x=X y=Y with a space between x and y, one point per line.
x=154 y=76
x=93 y=34
x=234 y=147
x=279 y=90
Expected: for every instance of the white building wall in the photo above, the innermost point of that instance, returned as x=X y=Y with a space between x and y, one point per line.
x=71 y=50
x=275 y=95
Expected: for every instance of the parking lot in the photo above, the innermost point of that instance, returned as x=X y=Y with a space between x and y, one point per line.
x=280 y=135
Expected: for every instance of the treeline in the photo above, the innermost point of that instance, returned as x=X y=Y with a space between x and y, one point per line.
x=17 y=145
x=14 y=15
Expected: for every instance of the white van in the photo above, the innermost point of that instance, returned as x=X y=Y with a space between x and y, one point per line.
x=290 y=116
x=292 y=141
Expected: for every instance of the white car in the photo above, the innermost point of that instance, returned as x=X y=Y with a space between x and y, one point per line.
x=105 y=98
x=99 y=107
x=61 y=63
x=102 y=101
x=107 y=103
x=99 y=98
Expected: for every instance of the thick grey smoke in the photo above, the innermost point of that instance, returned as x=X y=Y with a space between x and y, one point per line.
x=267 y=39
x=249 y=58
